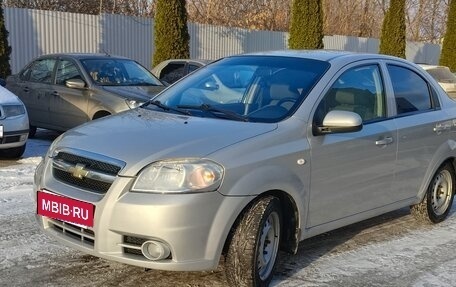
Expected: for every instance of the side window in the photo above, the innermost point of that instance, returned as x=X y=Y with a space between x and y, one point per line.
x=410 y=90
x=192 y=68
x=358 y=90
x=172 y=72
x=66 y=70
x=41 y=71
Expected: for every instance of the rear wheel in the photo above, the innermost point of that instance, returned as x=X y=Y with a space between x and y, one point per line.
x=254 y=246
x=438 y=200
x=32 y=131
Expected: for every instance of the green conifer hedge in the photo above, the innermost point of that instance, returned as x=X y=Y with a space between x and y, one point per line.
x=392 y=41
x=306 y=26
x=171 y=32
x=448 y=55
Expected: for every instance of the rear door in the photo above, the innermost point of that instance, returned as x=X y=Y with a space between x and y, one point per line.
x=422 y=128
x=34 y=86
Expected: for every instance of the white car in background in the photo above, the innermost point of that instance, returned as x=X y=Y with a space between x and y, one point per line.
x=14 y=125
x=445 y=78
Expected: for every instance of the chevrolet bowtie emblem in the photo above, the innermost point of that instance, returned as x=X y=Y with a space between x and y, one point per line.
x=78 y=171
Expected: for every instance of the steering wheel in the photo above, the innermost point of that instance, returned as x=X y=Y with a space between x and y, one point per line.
x=285 y=100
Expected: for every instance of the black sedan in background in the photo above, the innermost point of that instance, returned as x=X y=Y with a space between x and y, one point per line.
x=171 y=70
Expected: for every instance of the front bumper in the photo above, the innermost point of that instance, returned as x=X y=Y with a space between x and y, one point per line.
x=193 y=226
x=15 y=132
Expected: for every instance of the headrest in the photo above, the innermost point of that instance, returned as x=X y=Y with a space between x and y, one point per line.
x=345 y=97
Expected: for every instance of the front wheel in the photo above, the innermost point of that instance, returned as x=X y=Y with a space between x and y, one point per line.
x=12 y=153
x=438 y=200
x=254 y=246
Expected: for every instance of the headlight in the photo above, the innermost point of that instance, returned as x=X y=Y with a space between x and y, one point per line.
x=176 y=176
x=132 y=104
x=13 y=110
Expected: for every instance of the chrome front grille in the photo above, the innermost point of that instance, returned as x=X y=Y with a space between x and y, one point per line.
x=84 y=183
x=85 y=172
x=84 y=235
x=90 y=163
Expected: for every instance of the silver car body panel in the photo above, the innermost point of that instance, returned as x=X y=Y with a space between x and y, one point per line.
x=12 y=126
x=333 y=180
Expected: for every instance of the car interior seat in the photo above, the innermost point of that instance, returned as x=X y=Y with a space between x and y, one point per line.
x=283 y=90
x=355 y=100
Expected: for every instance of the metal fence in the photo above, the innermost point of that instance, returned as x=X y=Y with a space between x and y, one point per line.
x=36 y=32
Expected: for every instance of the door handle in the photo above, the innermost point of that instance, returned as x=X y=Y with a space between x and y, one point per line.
x=442 y=127
x=55 y=93
x=385 y=141
x=26 y=89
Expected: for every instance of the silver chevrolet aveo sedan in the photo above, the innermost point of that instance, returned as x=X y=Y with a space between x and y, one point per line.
x=314 y=140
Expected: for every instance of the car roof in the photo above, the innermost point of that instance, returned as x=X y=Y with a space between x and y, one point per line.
x=200 y=61
x=326 y=55
x=83 y=55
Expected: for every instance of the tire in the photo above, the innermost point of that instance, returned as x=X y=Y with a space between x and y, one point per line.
x=32 y=131
x=11 y=153
x=252 y=252
x=438 y=200
x=100 y=114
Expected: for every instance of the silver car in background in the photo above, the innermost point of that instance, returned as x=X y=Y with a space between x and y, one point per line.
x=14 y=125
x=314 y=141
x=445 y=78
x=62 y=91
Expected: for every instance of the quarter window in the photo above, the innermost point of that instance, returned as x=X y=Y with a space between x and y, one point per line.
x=411 y=91
x=359 y=90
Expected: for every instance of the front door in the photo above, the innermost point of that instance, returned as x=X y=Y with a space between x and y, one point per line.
x=68 y=105
x=353 y=172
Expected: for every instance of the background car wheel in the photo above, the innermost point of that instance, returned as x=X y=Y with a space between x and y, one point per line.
x=100 y=114
x=32 y=131
x=15 y=152
x=438 y=200
x=252 y=251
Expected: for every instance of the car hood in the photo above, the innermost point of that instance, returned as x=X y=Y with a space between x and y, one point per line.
x=142 y=93
x=140 y=137
x=7 y=97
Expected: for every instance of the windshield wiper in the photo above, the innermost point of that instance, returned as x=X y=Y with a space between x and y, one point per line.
x=165 y=107
x=220 y=113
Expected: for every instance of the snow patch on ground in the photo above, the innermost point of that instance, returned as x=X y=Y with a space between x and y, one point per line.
x=393 y=250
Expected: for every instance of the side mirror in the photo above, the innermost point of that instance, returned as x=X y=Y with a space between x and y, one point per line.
x=211 y=86
x=75 y=84
x=341 y=122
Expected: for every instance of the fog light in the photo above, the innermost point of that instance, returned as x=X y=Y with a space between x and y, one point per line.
x=23 y=138
x=154 y=250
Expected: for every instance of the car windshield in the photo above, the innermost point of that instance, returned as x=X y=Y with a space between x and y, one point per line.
x=246 y=88
x=443 y=75
x=119 y=72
